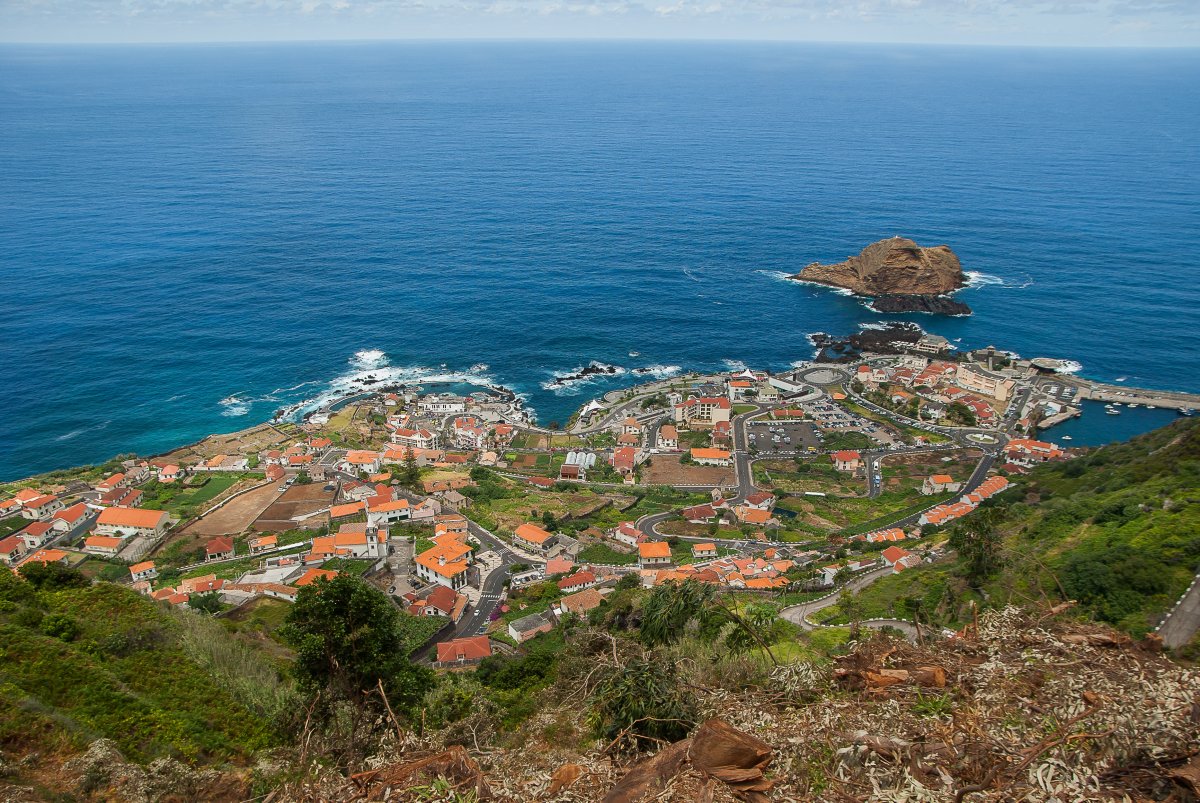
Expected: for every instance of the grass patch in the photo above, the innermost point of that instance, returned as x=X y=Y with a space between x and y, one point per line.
x=348 y=566
x=602 y=553
x=11 y=525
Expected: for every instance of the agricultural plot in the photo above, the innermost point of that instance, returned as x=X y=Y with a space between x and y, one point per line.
x=811 y=474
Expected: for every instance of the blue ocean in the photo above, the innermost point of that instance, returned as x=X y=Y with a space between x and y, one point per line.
x=192 y=238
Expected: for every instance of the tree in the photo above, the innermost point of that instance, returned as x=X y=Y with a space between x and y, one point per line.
x=960 y=413
x=209 y=602
x=758 y=626
x=349 y=641
x=411 y=476
x=642 y=704
x=977 y=543
x=852 y=607
x=53 y=576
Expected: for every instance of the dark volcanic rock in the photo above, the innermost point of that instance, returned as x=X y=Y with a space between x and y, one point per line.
x=940 y=305
x=878 y=341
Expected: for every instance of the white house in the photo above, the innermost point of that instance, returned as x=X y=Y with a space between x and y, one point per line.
x=626 y=533
x=123 y=522
x=442 y=405
x=668 y=437
x=382 y=511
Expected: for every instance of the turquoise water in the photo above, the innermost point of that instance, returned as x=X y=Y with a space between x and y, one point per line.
x=194 y=237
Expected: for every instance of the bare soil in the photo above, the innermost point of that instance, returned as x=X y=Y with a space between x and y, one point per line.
x=237 y=515
x=295 y=501
x=667 y=470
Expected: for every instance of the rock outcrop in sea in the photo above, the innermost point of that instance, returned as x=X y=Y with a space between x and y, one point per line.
x=901 y=275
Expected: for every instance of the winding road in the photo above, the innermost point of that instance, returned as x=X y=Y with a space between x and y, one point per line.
x=799 y=614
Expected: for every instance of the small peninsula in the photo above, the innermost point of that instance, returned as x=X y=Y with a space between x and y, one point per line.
x=899 y=274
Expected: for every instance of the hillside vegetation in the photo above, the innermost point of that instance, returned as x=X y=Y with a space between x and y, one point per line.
x=83 y=662
x=1117 y=530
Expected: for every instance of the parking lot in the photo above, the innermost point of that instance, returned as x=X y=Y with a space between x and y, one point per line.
x=782 y=436
x=1061 y=393
x=830 y=417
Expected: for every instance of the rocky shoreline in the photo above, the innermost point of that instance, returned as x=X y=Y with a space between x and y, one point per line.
x=934 y=304
x=849 y=348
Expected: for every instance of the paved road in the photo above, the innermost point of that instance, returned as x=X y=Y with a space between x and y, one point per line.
x=1184 y=619
x=492 y=589
x=799 y=613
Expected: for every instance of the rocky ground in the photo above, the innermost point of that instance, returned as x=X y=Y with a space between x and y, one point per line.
x=1021 y=707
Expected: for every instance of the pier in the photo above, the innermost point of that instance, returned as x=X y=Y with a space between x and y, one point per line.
x=1099 y=391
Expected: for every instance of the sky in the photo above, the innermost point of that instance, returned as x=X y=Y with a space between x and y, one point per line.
x=1075 y=23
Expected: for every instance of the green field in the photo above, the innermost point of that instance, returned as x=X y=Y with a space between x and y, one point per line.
x=348 y=566
x=173 y=498
x=601 y=553
x=849 y=515
x=11 y=525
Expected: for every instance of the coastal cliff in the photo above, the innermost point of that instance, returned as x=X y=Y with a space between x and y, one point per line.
x=911 y=278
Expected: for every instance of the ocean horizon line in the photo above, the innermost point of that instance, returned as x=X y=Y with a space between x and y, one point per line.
x=681 y=40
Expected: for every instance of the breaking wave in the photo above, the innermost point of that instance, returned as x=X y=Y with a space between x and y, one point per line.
x=370 y=372
x=369 y=358
x=658 y=371
x=778 y=275
x=977 y=278
x=235 y=406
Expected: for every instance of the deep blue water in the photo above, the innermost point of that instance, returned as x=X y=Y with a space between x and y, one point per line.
x=193 y=237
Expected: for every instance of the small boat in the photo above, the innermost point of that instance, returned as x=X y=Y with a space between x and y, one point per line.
x=1131 y=405
x=1186 y=411
x=1067 y=438
x=1112 y=411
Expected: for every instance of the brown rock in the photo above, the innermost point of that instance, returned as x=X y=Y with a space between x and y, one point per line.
x=897 y=266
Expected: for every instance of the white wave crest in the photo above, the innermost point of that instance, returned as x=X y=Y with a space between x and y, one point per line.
x=75 y=433
x=977 y=278
x=567 y=383
x=1068 y=367
x=734 y=365
x=362 y=379
x=369 y=358
x=234 y=406
x=777 y=275
x=841 y=291
x=658 y=371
